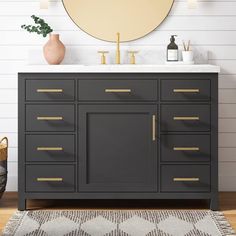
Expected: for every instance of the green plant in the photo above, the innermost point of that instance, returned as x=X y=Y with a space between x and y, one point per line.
x=41 y=27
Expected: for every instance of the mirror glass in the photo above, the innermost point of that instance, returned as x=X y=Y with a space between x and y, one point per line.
x=133 y=19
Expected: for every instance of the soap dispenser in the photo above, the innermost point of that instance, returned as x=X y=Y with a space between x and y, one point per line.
x=172 y=50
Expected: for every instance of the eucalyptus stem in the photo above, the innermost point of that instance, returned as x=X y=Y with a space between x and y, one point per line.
x=40 y=27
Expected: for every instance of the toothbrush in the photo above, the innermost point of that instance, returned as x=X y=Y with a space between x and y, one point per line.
x=184 y=46
x=188 y=47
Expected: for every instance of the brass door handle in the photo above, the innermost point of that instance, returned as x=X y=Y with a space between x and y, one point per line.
x=153 y=128
x=186 y=90
x=183 y=118
x=194 y=179
x=49 y=90
x=186 y=148
x=49 y=179
x=49 y=149
x=49 y=118
x=117 y=90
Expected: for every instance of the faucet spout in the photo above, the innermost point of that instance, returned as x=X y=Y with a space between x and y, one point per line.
x=118 y=49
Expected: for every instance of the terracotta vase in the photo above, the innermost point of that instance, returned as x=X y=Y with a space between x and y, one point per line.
x=54 y=50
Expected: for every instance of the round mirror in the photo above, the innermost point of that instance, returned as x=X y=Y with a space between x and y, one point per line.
x=133 y=19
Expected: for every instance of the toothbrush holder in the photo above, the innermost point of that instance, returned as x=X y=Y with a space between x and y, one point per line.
x=187 y=56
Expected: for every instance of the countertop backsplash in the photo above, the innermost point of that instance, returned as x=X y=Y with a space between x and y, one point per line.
x=88 y=55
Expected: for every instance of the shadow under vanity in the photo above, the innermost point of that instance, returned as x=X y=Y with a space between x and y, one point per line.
x=118 y=135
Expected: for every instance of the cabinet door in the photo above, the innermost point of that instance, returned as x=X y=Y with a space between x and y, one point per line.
x=117 y=148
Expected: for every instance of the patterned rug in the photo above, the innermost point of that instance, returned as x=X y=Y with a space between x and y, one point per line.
x=118 y=223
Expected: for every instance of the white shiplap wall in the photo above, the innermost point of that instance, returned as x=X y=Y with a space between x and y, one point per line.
x=211 y=27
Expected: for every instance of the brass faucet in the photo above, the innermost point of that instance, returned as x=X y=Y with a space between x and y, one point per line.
x=118 y=49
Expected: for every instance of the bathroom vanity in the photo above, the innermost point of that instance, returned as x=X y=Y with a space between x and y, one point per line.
x=118 y=132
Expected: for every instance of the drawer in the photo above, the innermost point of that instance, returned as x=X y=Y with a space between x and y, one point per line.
x=185 y=147
x=184 y=90
x=185 y=178
x=50 y=117
x=50 y=148
x=185 y=118
x=50 y=178
x=50 y=90
x=117 y=90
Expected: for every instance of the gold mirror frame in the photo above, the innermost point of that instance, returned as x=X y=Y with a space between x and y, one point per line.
x=133 y=19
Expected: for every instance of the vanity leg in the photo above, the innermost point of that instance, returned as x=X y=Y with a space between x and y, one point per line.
x=21 y=204
x=214 y=203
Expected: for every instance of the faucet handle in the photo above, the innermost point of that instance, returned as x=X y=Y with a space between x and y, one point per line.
x=132 y=56
x=103 y=56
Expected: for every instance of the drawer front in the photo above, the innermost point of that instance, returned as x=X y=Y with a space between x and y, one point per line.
x=117 y=90
x=185 y=178
x=50 y=118
x=50 y=148
x=185 y=147
x=185 y=118
x=50 y=178
x=184 y=90
x=48 y=90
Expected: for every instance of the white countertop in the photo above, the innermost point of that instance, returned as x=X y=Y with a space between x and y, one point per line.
x=120 y=69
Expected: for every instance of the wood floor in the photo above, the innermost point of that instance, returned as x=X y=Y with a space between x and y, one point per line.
x=8 y=205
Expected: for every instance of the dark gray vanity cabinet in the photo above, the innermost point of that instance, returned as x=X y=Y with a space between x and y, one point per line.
x=118 y=136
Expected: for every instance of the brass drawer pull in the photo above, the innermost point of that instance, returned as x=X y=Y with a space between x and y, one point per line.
x=186 y=148
x=49 y=149
x=186 y=179
x=153 y=128
x=118 y=90
x=186 y=90
x=49 y=90
x=49 y=179
x=186 y=118
x=49 y=118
